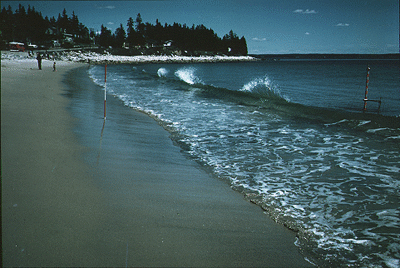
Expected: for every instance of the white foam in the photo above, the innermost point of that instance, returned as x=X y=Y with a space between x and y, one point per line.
x=162 y=72
x=337 y=123
x=188 y=75
x=392 y=263
x=262 y=86
x=394 y=137
x=86 y=56
x=376 y=129
x=307 y=173
x=364 y=122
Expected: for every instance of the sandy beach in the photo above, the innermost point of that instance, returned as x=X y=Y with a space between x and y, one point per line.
x=81 y=191
x=50 y=209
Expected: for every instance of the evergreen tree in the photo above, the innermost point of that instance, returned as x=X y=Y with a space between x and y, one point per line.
x=30 y=26
x=233 y=45
x=7 y=24
x=133 y=37
x=131 y=32
x=243 y=46
x=158 y=32
x=139 y=38
x=120 y=36
x=19 y=30
x=139 y=24
x=105 y=38
x=63 y=21
x=74 y=24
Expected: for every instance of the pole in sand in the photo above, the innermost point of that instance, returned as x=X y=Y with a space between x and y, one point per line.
x=366 y=89
x=105 y=90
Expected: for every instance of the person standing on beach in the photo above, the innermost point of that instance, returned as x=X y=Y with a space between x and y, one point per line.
x=39 y=60
x=54 y=66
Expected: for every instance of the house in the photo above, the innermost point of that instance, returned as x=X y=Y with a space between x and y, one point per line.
x=16 y=46
x=69 y=38
x=168 y=43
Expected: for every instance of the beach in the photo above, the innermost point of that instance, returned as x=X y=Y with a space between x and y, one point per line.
x=78 y=190
x=49 y=208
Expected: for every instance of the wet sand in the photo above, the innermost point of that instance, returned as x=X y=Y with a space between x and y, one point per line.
x=50 y=207
x=81 y=191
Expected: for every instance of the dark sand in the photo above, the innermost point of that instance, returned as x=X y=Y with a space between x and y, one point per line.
x=77 y=194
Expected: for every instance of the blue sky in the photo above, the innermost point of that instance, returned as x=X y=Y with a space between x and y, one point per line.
x=269 y=26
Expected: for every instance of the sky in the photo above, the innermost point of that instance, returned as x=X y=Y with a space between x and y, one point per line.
x=269 y=26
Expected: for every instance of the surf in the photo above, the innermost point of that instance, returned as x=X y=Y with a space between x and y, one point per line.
x=261 y=92
x=299 y=161
x=162 y=72
x=188 y=76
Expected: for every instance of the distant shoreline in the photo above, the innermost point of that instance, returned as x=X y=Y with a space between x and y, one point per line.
x=91 y=57
x=327 y=56
x=97 y=58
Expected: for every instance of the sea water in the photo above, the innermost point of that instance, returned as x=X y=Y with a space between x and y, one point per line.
x=293 y=137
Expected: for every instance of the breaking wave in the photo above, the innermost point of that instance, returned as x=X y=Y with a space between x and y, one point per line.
x=263 y=87
x=188 y=76
x=328 y=174
x=162 y=72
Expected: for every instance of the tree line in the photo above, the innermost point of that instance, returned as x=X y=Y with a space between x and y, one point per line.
x=187 y=39
x=29 y=26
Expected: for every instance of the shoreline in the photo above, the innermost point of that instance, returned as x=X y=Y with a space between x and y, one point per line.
x=96 y=58
x=180 y=203
x=81 y=191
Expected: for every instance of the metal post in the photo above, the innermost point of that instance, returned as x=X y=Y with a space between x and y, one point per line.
x=366 y=89
x=105 y=90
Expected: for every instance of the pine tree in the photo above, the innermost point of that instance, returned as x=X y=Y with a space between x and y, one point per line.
x=30 y=26
x=139 y=38
x=7 y=24
x=130 y=30
x=120 y=36
x=63 y=21
x=105 y=38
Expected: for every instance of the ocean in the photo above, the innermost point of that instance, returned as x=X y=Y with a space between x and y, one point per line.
x=292 y=136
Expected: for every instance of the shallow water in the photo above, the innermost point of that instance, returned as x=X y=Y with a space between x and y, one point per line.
x=293 y=137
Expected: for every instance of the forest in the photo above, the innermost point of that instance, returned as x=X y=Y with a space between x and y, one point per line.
x=28 y=26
